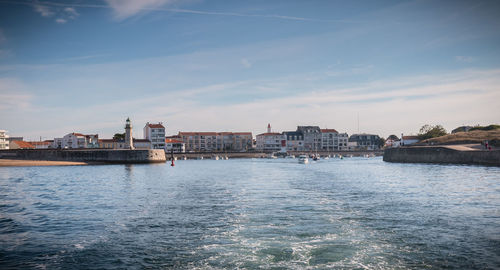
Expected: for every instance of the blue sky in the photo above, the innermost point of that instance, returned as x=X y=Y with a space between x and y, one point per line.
x=85 y=66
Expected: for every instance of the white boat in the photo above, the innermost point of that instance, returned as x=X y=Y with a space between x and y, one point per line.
x=303 y=159
x=215 y=157
x=226 y=157
x=290 y=156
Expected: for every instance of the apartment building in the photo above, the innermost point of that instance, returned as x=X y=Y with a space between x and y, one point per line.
x=271 y=141
x=216 y=141
x=365 y=141
x=294 y=140
x=4 y=140
x=156 y=134
x=312 y=137
x=332 y=140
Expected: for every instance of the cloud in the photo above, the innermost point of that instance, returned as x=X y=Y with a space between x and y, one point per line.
x=246 y=63
x=61 y=21
x=44 y=10
x=464 y=59
x=71 y=12
x=127 y=8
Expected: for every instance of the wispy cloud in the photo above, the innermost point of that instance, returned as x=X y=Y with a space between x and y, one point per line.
x=246 y=63
x=61 y=21
x=71 y=12
x=127 y=8
x=464 y=59
x=44 y=10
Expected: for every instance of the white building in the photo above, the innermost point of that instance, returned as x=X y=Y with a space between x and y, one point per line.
x=271 y=141
x=156 y=134
x=4 y=140
x=409 y=140
x=331 y=140
x=175 y=145
x=77 y=140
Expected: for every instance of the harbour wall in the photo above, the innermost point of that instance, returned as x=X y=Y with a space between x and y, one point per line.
x=442 y=155
x=208 y=155
x=87 y=155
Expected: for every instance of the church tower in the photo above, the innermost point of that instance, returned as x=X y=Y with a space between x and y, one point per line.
x=129 y=144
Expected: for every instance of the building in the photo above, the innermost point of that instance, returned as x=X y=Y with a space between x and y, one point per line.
x=4 y=139
x=174 y=144
x=366 y=141
x=312 y=137
x=42 y=145
x=76 y=140
x=271 y=141
x=120 y=144
x=294 y=140
x=408 y=140
x=332 y=140
x=20 y=145
x=156 y=134
x=129 y=140
x=216 y=141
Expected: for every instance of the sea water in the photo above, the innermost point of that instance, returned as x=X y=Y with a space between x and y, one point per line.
x=355 y=213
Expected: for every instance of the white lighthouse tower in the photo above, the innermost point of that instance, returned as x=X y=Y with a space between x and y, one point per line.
x=269 y=128
x=129 y=144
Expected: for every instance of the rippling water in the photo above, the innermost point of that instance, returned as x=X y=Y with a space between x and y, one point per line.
x=271 y=214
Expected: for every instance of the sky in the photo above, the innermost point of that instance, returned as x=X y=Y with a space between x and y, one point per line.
x=381 y=67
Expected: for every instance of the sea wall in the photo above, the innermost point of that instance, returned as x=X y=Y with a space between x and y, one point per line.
x=438 y=154
x=87 y=155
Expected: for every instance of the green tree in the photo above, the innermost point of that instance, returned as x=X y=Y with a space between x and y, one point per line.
x=428 y=131
x=119 y=136
x=381 y=142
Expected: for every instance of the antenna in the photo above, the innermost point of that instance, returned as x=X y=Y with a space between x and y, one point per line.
x=358 y=122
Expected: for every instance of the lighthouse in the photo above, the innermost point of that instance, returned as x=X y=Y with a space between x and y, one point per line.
x=129 y=144
x=269 y=128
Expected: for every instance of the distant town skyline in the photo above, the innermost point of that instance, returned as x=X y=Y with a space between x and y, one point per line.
x=85 y=66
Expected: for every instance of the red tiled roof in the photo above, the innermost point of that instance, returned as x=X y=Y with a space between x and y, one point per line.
x=156 y=125
x=410 y=137
x=329 y=131
x=23 y=144
x=40 y=143
x=173 y=141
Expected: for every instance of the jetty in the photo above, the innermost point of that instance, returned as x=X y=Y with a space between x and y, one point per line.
x=89 y=156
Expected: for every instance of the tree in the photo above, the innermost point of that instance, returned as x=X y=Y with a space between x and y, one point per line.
x=381 y=142
x=428 y=131
x=119 y=136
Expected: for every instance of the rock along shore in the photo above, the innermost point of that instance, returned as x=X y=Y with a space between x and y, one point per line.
x=461 y=154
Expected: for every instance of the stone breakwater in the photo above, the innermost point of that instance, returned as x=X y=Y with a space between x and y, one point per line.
x=442 y=154
x=87 y=155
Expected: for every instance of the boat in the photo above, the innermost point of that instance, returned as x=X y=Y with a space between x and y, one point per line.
x=226 y=157
x=303 y=159
x=215 y=157
x=316 y=157
x=290 y=156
